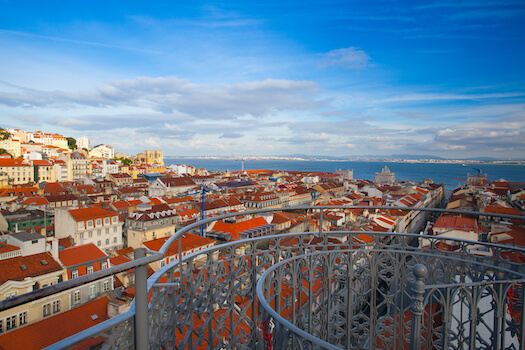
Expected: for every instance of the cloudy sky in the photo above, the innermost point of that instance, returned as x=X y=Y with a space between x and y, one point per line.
x=339 y=78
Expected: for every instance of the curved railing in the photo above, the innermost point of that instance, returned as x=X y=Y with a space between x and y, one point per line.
x=321 y=290
x=359 y=299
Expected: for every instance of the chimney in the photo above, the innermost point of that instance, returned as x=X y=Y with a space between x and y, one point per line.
x=54 y=248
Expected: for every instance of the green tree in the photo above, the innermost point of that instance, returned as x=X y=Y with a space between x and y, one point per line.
x=3 y=151
x=71 y=143
x=125 y=161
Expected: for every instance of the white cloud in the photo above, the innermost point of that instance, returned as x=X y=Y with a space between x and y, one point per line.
x=175 y=95
x=349 y=58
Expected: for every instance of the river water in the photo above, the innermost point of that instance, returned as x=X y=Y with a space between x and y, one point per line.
x=441 y=173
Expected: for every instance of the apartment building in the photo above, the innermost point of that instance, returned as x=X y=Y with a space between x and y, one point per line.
x=18 y=171
x=150 y=222
x=90 y=225
x=83 y=260
x=23 y=274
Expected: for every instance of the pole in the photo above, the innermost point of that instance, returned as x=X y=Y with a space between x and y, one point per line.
x=203 y=208
x=420 y=272
x=141 y=302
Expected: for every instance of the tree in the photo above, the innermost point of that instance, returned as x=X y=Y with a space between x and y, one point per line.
x=7 y=135
x=71 y=143
x=124 y=161
x=3 y=151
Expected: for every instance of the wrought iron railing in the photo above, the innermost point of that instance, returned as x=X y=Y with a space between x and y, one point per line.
x=353 y=290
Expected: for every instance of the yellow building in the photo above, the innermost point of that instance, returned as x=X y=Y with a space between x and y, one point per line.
x=151 y=222
x=18 y=172
x=44 y=171
x=12 y=147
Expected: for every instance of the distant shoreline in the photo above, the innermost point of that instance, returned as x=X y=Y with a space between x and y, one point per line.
x=387 y=160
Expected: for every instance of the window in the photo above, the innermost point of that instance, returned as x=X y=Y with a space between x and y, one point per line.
x=107 y=241
x=114 y=219
x=1 y=326
x=98 y=243
x=47 y=310
x=56 y=306
x=104 y=265
x=90 y=234
x=99 y=222
x=74 y=274
x=92 y=291
x=107 y=231
x=106 y=221
x=114 y=229
x=106 y=285
x=81 y=235
x=162 y=263
x=90 y=223
x=22 y=318
x=99 y=232
x=10 y=323
x=115 y=240
x=90 y=269
x=76 y=296
x=81 y=225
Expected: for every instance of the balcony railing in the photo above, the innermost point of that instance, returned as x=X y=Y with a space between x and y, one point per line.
x=322 y=290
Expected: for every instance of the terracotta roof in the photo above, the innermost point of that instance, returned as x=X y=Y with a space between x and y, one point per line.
x=7 y=162
x=91 y=213
x=35 y=200
x=156 y=201
x=456 y=223
x=4 y=248
x=13 y=270
x=236 y=228
x=178 y=181
x=80 y=254
x=494 y=209
x=20 y=191
x=65 y=242
x=121 y=176
x=53 y=329
x=42 y=162
x=119 y=260
x=189 y=241
x=60 y=197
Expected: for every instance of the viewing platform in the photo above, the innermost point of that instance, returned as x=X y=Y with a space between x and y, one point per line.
x=318 y=290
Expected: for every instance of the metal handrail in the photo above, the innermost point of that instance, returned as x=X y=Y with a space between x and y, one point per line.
x=325 y=345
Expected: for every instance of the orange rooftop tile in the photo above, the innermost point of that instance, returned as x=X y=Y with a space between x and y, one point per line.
x=53 y=329
x=81 y=254
x=84 y=214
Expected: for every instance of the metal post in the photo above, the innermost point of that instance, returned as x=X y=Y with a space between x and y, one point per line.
x=321 y=222
x=522 y=318
x=141 y=302
x=420 y=272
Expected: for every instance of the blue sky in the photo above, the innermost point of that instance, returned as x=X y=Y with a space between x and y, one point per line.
x=337 y=78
